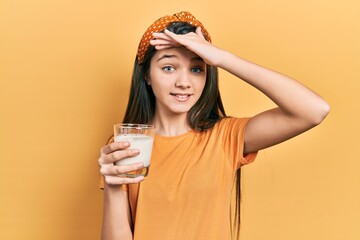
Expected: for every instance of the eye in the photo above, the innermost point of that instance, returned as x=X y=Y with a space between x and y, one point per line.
x=168 y=68
x=197 y=70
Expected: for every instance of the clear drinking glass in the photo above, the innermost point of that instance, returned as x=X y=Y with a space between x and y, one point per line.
x=141 y=137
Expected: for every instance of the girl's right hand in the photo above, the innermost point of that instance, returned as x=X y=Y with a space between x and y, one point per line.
x=112 y=153
x=193 y=41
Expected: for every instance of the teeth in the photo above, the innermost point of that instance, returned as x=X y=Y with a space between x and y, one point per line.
x=182 y=96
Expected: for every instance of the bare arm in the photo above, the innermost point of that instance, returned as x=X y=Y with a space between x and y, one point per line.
x=299 y=108
x=116 y=213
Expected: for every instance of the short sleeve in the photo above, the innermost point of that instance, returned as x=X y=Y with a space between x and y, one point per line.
x=248 y=158
x=233 y=137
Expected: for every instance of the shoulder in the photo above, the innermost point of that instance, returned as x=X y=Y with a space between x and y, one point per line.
x=232 y=122
x=228 y=127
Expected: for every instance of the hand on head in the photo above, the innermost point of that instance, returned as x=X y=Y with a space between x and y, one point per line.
x=168 y=39
x=195 y=42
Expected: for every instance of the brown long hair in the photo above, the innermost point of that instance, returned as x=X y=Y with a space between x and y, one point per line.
x=207 y=111
x=141 y=105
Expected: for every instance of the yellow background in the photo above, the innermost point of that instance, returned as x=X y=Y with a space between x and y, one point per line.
x=65 y=70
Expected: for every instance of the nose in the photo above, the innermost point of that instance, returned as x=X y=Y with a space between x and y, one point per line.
x=183 y=80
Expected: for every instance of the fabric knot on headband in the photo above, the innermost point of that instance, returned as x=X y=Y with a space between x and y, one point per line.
x=161 y=24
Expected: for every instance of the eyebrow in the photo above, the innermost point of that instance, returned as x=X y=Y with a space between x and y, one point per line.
x=166 y=56
x=174 y=56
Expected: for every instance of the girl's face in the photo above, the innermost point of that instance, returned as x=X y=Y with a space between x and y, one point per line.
x=177 y=77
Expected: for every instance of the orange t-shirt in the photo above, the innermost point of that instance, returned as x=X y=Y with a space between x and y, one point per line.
x=188 y=191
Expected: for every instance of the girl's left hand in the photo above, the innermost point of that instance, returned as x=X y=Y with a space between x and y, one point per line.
x=195 y=42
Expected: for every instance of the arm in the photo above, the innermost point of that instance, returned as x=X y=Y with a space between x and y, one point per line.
x=116 y=212
x=299 y=108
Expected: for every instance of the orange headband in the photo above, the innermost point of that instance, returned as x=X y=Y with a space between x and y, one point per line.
x=161 y=24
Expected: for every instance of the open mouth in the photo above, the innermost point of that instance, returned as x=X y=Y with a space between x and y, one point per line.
x=181 y=96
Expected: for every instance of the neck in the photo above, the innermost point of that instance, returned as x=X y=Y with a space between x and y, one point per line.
x=171 y=125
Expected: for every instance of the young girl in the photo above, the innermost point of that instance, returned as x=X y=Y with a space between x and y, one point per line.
x=192 y=190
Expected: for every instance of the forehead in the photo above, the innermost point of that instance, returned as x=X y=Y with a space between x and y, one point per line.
x=175 y=53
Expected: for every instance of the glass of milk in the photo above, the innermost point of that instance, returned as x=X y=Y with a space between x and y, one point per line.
x=141 y=137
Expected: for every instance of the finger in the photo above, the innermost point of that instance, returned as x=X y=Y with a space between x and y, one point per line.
x=170 y=34
x=116 y=180
x=161 y=35
x=112 y=170
x=199 y=32
x=160 y=47
x=181 y=39
x=114 y=147
x=155 y=42
x=118 y=155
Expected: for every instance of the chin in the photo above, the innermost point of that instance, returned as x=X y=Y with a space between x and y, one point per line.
x=180 y=110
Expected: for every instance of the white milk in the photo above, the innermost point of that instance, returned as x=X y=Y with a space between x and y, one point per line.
x=137 y=141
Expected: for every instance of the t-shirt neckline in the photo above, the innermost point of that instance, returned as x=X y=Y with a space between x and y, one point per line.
x=185 y=134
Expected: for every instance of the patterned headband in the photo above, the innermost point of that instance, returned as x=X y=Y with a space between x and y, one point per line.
x=161 y=24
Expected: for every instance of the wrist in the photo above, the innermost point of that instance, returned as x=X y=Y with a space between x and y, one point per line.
x=223 y=58
x=113 y=188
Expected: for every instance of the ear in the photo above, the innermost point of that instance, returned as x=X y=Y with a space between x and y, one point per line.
x=147 y=79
